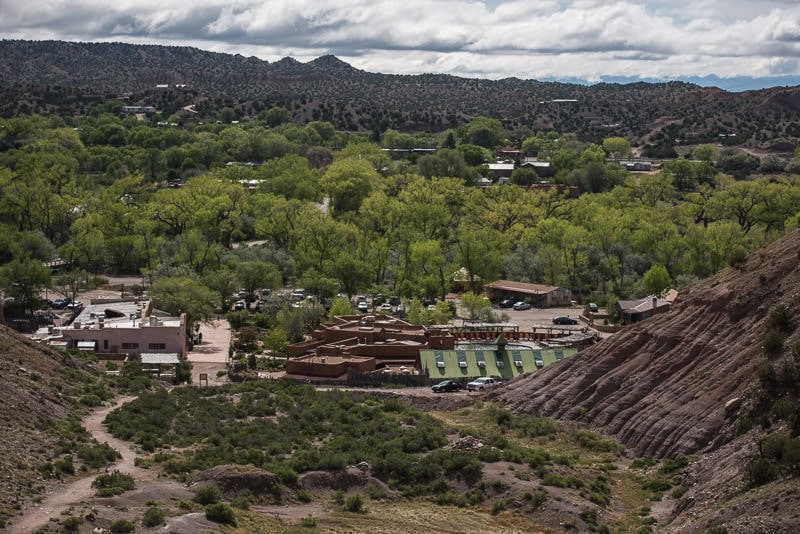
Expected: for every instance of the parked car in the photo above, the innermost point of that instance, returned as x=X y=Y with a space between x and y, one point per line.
x=394 y=300
x=239 y=305
x=446 y=385
x=507 y=303
x=362 y=306
x=564 y=319
x=75 y=305
x=385 y=308
x=519 y=306
x=482 y=383
x=61 y=303
x=592 y=307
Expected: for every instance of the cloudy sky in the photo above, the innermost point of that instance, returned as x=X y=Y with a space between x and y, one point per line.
x=750 y=42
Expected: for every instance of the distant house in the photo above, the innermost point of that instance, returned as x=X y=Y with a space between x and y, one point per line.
x=543 y=168
x=500 y=170
x=636 y=165
x=138 y=109
x=632 y=311
x=539 y=295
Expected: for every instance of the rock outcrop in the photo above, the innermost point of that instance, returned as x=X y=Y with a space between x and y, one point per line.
x=668 y=385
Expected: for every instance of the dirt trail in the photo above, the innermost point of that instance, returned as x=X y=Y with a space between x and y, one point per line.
x=81 y=489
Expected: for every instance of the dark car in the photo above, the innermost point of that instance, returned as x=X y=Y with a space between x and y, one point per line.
x=446 y=385
x=564 y=319
x=507 y=303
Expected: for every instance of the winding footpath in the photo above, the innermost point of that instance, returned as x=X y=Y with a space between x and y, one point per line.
x=81 y=489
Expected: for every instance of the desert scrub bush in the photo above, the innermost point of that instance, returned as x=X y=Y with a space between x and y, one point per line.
x=591 y=441
x=113 y=483
x=207 y=495
x=679 y=491
x=72 y=524
x=643 y=463
x=657 y=485
x=220 y=513
x=303 y=496
x=498 y=506
x=153 y=517
x=242 y=503
x=773 y=342
x=122 y=526
x=308 y=521
x=780 y=319
x=672 y=465
x=98 y=455
x=354 y=503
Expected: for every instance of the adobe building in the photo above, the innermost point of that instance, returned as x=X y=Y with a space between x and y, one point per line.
x=363 y=343
x=538 y=295
x=123 y=328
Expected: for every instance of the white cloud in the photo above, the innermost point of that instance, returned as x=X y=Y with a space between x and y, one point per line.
x=584 y=39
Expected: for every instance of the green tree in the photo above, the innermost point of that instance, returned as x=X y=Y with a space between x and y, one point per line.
x=184 y=295
x=655 y=280
x=224 y=282
x=348 y=182
x=617 y=147
x=339 y=306
x=485 y=132
x=254 y=275
x=474 y=305
x=70 y=283
x=23 y=279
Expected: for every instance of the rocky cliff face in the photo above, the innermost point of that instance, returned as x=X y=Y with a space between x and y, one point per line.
x=662 y=386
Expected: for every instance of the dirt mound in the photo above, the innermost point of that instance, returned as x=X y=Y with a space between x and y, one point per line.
x=337 y=480
x=238 y=480
x=661 y=386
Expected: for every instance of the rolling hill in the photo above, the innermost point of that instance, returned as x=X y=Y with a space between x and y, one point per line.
x=68 y=78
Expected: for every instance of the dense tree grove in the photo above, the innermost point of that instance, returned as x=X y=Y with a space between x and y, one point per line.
x=336 y=213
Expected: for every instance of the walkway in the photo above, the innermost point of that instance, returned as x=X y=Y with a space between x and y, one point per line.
x=211 y=356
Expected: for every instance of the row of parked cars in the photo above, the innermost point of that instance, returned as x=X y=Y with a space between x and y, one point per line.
x=479 y=384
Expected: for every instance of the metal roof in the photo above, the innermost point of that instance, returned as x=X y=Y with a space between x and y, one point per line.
x=160 y=358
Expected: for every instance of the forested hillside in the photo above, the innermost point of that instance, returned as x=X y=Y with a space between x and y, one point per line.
x=68 y=78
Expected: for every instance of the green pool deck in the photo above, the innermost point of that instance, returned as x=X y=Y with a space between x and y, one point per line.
x=464 y=363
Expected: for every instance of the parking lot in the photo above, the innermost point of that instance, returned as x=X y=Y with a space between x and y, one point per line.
x=527 y=319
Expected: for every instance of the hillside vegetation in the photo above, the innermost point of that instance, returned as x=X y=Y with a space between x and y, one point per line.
x=68 y=78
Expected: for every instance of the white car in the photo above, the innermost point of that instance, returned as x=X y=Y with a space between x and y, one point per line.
x=484 y=382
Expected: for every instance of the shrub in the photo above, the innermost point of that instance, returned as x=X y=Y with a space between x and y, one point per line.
x=773 y=342
x=498 y=506
x=780 y=318
x=679 y=491
x=242 y=503
x=308 y=522
x=113 y=483
x=153 y=517
x=671 y=465
x=72 y=524
x=98 y=455
x=657 y=485
x=220 y=513
x=207 y=495
x=90 y=400
x=354 y=503
x=122 y=525
x=303 y=496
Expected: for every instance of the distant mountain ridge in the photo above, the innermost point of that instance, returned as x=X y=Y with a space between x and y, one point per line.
x=57 y=76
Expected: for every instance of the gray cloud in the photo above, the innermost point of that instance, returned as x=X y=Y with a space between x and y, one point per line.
x=524 y=38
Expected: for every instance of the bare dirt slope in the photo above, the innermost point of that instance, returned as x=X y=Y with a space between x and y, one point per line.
x=34 y=384
x=661 y=386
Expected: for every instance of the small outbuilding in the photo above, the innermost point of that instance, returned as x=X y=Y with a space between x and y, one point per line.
x=538 y=295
